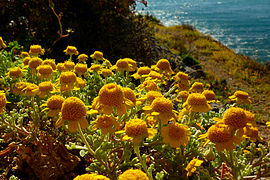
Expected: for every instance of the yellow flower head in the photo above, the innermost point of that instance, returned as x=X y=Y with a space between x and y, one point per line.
x=19 y=87
x=91 y=177
x=235 y=117
x=149 y=85
x=30 y=89
x=80 y=82
x=142 y=72
x=106 y=72
x=49 y=62
x=155 y=76
x=45 y=71
x=136 y=129
x=183 y=95
x=15 y=72
x=3 y=102
x=133 y=174
x=61 y=67
x=71 y=50
x=197 y=103
x=197 y=87
x=163 y=65
x=175 y=134
x=210 y=95
x=122 y=65
x=221 y=135
x=73 y=110
x=181 y=76
x=54 y=104
x=97 y=55
x=35 y=50
x=182 y=86
x=163 y=108
x=95 y=67
x=81 y=69
x=132 y=64
x=44 y=88
x=106 y=124
x=26 y=60
x=152 y=95
x=2 y=44
x=67 y=80
x=251 y=133
x=191 y=167
x=240 y=97
x=69 y=65
x=24 y=54
x=82 y=57
x=111 y=95
x=34 y=62
x=129 y=94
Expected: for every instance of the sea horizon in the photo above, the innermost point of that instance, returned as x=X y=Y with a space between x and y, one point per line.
x=242 y=25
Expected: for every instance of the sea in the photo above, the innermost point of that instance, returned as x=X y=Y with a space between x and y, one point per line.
x=243 y=25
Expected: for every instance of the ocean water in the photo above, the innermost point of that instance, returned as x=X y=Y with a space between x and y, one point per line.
x=243 y=25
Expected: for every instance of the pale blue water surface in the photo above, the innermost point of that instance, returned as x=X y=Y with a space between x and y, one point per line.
x=243 y=25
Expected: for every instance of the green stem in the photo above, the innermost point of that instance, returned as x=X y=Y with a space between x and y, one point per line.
x=144 y=166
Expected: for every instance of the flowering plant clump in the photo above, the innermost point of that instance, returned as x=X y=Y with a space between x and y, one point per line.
x=122 y=121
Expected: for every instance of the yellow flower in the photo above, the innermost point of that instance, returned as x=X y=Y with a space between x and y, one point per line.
x=73 y=110
x=142 y=72
x=107 y=124
x=2 y=44
x=209 y=95
x=122 y=65
x=197 y=87
x=175 y=134
x=181 y=77
x=81 y=69
x=95 y=68
x=240 y=97
x=45 y=71
x=34 y=63
x=61 y=67
x=250 y=118
x=154 y=76
x=197 y=103
x=97 y=55
x=71 y=50
x=15 y=73
x=30 y=89
x=252 y=133
x=54 y=104
x=235 y=117
x=136 y=129
x=3 y=101
x=80 y=82
x=132 y=64
x=82 y=57
x=110 y=96
x=163 y=66
x=35 y=50
x=149 y=85
x=151 y=96
x=24 y=54
x=133 y=174
x=26 y=60
x=67 y=80
x=183 y=95
x=90 y=177
x=161 y=107
x=44 y=88
x=182 y=86
x=129 y=94
x=191 y=167
x=69 y=65
x=106 y=72
x=268 y=124
x=49 y=62
x=221 y=135
x=19 y=87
